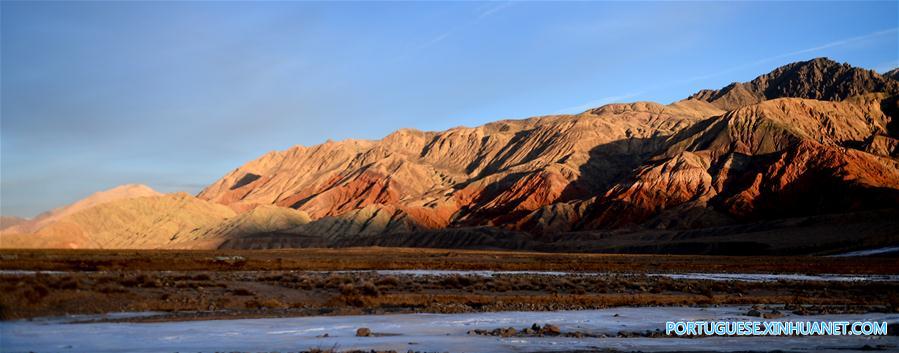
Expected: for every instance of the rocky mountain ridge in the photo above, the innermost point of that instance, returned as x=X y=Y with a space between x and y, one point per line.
x=820 y=79
x=751 y=152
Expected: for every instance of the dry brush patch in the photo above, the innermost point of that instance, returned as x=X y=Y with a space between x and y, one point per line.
x=207 y=294
x=374 y=258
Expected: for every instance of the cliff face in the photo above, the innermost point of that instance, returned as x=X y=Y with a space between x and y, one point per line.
x=810 y=140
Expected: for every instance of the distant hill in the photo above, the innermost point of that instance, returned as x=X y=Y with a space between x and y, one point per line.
x=9 y=221
x=117 y=193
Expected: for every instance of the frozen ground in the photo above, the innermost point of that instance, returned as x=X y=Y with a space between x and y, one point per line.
x=744 y=277
x=869 y=252
x=29 y=273
x=420 y=332
x=762 y=277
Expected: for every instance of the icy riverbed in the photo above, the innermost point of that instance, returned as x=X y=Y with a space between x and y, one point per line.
x=742 y=277
x=870 y=252
x=420 y=332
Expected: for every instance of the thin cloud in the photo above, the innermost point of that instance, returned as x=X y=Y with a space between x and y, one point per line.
x=833 y=44
x=596 y=103
x=437 y=39
x=495 y=9
x=442 y=36
x=887 y=66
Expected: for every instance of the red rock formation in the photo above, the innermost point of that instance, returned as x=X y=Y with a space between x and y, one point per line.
x=688 y=164
x=807 y=139
x=493 y=174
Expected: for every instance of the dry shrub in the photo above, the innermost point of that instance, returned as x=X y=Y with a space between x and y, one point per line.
x=69 y=283
x=270 y=303
x=528 y=284
x=305 y=284
x=466 y=281
x=335 y=281
x=106 y=279
x=273 y=278
x=457 y=281
x=141 y=281
x=149 y=281
x=893 y=303
x=369 y=289
x=500 y=285
x=348 y=289
x=389 y=281
x=129 y=282
x=242 y=292
x=354 y=300
x=36 y=293
x=112 y=288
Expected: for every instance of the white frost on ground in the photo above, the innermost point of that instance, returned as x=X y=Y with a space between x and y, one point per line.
x=742 y=277
x=869 y=252
x=420 y=332
x=763 y=277
x=29 y=273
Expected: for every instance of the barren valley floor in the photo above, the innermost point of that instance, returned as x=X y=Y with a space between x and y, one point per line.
x=425 y=300
x=302 y=282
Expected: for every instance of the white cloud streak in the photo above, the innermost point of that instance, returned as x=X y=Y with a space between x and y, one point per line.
x=834 y=44
x=597 y=102
x=448 y=33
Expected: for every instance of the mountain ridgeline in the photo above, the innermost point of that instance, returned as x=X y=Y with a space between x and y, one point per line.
x=804 y=159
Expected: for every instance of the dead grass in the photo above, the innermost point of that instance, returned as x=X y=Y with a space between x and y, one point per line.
x=189 y=281
x=268 y=293
x=406 y=258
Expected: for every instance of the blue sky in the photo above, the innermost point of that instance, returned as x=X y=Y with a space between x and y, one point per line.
x=176 y=94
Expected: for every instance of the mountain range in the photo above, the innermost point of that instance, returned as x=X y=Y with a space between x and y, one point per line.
x=801 y=160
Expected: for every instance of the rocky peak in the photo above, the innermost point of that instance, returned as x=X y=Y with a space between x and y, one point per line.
x=820 y=78
x=893 y=74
